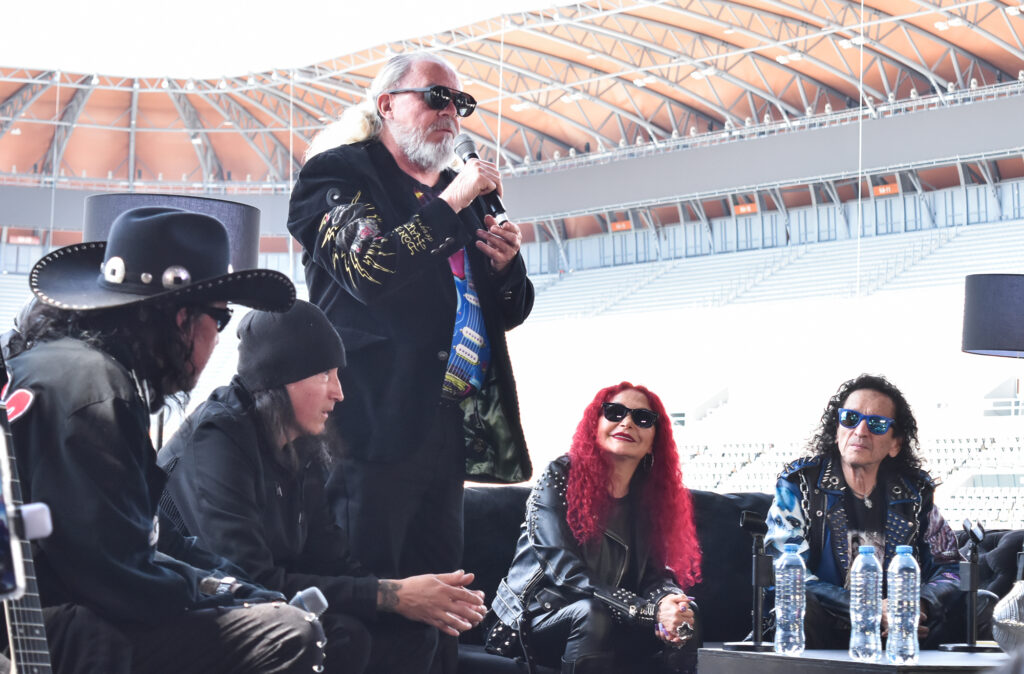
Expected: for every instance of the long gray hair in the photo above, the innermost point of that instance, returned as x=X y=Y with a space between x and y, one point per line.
x=361 y=122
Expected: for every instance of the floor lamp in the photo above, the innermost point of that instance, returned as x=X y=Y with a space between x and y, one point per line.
x=993 y=326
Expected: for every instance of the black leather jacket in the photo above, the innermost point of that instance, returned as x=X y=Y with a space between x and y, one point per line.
x=550 y=570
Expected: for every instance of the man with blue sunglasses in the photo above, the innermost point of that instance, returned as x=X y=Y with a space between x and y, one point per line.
x=863 y=484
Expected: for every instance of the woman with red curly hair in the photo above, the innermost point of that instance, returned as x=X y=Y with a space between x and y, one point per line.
x=607 y=547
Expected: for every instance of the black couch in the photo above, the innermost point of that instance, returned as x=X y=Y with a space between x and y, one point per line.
x=494 y=514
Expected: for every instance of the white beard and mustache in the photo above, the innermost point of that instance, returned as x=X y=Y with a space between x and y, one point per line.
x=422 y=153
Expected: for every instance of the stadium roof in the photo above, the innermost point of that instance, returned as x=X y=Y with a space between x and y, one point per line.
x=574 y=80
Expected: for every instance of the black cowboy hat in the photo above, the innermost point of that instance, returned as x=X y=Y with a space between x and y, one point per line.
x=155 y=254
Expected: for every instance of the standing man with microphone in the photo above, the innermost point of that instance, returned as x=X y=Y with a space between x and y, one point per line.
x=422 y=284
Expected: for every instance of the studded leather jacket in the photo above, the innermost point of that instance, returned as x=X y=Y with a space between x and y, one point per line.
x=810 y=510
x=550 y=570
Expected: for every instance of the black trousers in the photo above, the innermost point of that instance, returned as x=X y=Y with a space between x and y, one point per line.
x=258 y=639
x=405 y=519
x=828 y=629
x=584 y=637
x=389 y=644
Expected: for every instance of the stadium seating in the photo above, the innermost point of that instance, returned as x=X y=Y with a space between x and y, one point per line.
x=890 y=262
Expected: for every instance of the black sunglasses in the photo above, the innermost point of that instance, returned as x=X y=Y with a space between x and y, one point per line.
x=877 y=424
x=642 y=417
x=439 y=96
x=220 y=315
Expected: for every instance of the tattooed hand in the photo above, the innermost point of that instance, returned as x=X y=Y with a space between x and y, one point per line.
x=441 y=600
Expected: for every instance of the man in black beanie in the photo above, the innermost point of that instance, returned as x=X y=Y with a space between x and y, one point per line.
x=246 y=477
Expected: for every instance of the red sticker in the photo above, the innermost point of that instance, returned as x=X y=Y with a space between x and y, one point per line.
x=18 y=403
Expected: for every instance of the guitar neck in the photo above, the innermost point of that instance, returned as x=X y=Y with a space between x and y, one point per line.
x=26 y=631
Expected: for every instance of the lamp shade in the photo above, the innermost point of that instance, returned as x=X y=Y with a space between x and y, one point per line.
x=994 y=315
x=241 y=220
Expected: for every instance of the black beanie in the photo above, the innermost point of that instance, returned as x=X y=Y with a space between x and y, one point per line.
x=281 y=348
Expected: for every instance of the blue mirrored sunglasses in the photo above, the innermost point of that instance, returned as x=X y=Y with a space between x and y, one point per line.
x=877 y=424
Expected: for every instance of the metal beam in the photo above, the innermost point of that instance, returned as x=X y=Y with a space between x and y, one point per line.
x=550 y=227
x=833 y=193
x=132 y=127
x=1014 y=51
x=262 y=140
x=527 y=74
x=209 y=162
x=926 y=204
x=632 y=67
x=698 y=209
x=780 y=204
x=992 y=180
x=62 y=131
x=17 y=103
x=756 y=58
x=853 y=8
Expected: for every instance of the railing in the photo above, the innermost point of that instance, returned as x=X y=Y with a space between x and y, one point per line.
x=887 y=271
x=720 y=136
x=660 y=269
x=770 y=268
x=146 y=186
x=659 y=146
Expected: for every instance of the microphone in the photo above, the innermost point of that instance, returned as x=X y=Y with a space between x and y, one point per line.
x=311 y=600
x=32 y=521
x=466 y=149
x=753 y=523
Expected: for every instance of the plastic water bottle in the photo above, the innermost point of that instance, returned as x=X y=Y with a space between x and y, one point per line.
x=904 y=582
x=790 y=602
x=866 y=606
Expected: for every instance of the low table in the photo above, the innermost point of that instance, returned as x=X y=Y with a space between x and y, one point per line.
x=719 y=661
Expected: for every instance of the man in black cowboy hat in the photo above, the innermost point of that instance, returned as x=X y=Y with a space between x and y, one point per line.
x=246 y=477
x=122 y=326
x=422 y=286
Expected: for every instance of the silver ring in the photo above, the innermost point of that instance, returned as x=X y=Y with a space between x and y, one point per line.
x=684 y=631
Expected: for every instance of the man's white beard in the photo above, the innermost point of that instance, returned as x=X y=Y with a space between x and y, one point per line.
x=421 y=152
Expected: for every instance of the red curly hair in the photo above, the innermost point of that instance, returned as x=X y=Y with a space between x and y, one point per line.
x=664 y=500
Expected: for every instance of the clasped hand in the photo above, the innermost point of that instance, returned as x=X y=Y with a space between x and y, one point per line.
x=922 y=618
x=442 y=600
x=673 y=611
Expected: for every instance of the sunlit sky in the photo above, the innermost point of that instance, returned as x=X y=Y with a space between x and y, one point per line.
x=213 y=38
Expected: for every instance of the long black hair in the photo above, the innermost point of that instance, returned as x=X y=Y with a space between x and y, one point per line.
x=146 y=338
x=824 y=440
x=273 y=407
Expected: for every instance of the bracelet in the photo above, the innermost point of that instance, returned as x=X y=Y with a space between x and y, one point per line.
x=642 y=612
x=212 y=585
